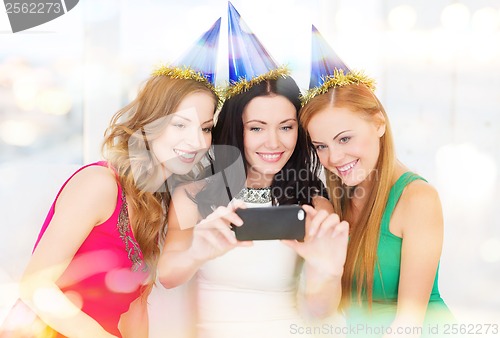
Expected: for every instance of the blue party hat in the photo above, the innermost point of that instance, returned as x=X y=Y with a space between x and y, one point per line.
x=199 y=62
x=249 y=62
x=324 y=60
x=328 y=70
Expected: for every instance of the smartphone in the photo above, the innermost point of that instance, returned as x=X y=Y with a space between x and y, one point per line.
x=267 y=223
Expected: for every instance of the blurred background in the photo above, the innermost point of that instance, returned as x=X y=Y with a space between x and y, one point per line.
x=437 y=66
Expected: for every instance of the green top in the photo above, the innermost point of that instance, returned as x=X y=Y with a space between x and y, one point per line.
x=387 y=271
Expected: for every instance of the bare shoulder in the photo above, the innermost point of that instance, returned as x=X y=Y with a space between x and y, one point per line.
x=93 y=188
x=419 y=193
x=419 y=208
x=99 y=179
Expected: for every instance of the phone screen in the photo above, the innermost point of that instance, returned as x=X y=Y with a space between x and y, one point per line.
x=268 y=223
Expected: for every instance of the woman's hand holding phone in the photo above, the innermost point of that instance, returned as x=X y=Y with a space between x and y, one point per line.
x=212 y=237
x=324 y=247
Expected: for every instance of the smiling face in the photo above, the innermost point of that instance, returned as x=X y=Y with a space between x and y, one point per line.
x=186 y=135
x=270 y=130
x=347 y=143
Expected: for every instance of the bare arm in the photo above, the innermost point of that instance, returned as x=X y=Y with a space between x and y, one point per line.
x=189 y=243
x=176 y=265
x=419 y=210
x=324 y=251
x=135 y=322
x=323 y=290
x=87 y=200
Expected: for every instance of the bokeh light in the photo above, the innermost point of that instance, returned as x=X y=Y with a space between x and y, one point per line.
x=25 y=91
x=19 y=132
x=455 y=17
x=402 y=18
x=485 y=20
x=54 y=101
x=51 y=300
x=123 y=280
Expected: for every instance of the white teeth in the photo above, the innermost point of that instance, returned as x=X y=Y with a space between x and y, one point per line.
x=270 y=156
x=347 y=166
x=185 y=154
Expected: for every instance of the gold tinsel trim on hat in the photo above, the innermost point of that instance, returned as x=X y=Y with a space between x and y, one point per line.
x=243 y=85
x=187 y=73
x=338 y=79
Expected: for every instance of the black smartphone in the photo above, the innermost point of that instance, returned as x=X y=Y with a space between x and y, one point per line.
x=279 y=222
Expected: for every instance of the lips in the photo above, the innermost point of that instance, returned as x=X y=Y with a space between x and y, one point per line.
x=186 y=156
x=271 y=157
x=344 y=170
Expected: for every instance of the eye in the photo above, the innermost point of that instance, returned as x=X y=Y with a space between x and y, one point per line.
x=345 y=139
x=287 y=128
x=255 y=129
x=207 y=130
x=319 y=147
x=179 y=125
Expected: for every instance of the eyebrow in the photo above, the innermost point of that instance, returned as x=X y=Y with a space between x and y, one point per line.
x=185 y=118
x=316 y=142
x=259 y=121
x=182 y=117
x=340 y=133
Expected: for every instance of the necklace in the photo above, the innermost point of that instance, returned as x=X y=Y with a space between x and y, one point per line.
x=255 y=195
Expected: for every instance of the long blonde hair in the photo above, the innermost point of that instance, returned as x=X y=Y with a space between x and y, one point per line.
x=361 y=259
x=159 y=97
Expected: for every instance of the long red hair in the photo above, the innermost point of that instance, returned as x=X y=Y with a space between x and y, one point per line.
x=360 y=265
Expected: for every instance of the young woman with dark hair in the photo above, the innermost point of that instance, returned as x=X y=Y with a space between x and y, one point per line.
x=296 y=179
x=256 y=289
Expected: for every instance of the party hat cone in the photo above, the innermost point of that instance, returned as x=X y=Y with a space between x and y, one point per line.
x=324 y=60
x=199 y=62
x=249 y=62
x=328 y=70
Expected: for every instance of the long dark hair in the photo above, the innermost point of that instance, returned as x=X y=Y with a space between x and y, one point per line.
x=296 y=183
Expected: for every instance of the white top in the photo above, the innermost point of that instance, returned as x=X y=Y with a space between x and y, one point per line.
x=250 y=292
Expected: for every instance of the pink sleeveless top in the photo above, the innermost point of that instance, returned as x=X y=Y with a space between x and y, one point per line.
x=107 y=272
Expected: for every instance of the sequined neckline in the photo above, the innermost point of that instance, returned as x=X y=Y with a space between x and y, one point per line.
x=255 y=195
x=131 y=246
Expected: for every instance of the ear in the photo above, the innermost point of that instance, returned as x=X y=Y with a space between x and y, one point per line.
x=380 y=121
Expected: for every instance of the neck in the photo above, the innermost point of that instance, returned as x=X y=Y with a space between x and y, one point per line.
x=159 y=179
x=361 y=194
x=257 y=185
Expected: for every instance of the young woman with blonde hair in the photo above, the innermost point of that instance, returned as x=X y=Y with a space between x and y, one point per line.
x=94 y=262
x=390 y=276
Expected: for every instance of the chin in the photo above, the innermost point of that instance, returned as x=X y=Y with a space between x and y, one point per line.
x=351 y=182
x=180 y=169
x=270 y=171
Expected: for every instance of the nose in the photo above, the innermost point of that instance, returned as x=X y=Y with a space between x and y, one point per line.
x=272 y=141
x=195 y=138
x=335 y=156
